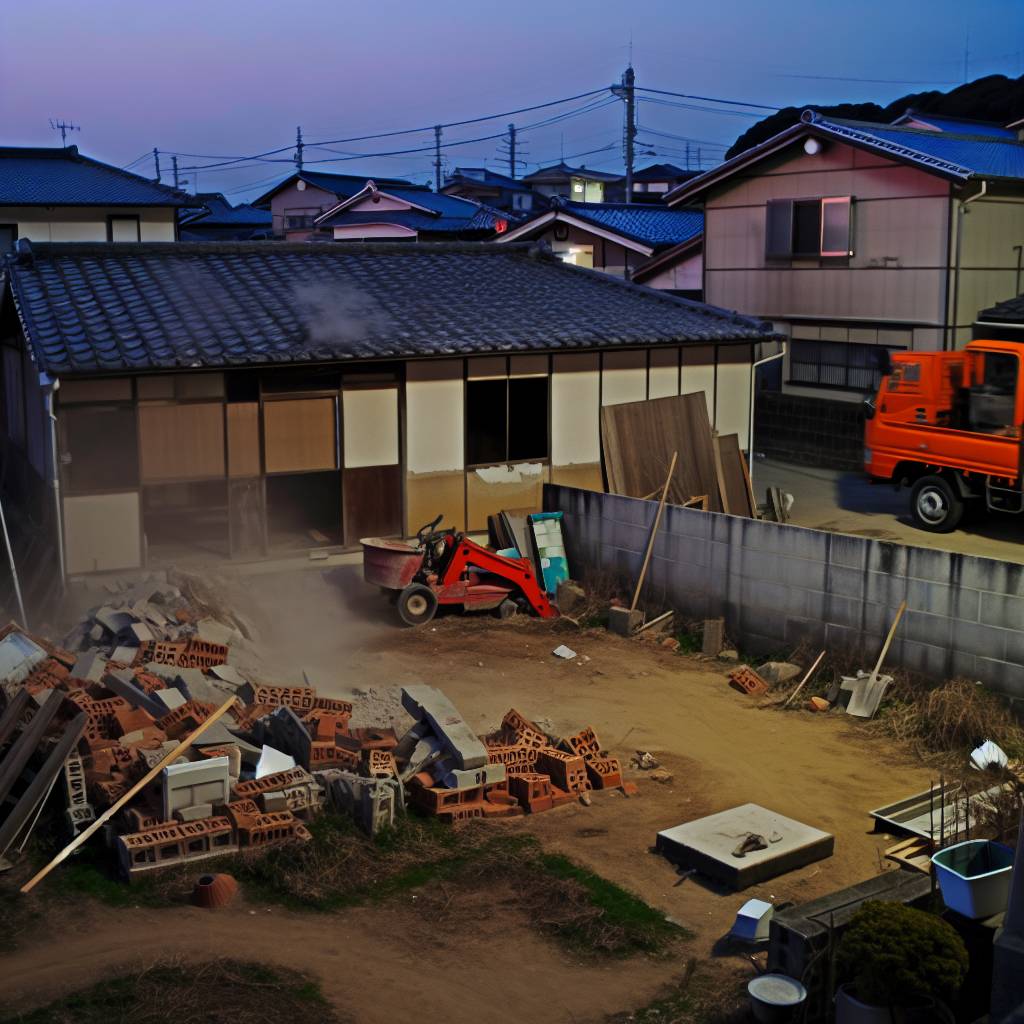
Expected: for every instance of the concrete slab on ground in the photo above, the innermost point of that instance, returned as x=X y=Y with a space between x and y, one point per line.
x=709 y=844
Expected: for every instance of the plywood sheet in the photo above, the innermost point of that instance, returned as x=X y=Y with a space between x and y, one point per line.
x=243 y=439
x=181 y=442
x=372 y=502
x=299 y=435
x=638 y=439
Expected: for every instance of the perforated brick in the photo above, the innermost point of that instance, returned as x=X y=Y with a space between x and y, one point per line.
x=746 y=680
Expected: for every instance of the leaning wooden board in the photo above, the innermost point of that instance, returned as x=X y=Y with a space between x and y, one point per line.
x=638 y=439
x=735 y=486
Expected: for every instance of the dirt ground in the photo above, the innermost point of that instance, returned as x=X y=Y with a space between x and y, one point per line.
x=722 y=750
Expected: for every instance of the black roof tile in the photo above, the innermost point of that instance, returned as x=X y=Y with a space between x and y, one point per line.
x=94 y=308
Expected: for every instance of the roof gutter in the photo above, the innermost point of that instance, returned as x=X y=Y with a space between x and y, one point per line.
x=1001 y=326
x=960 y=211
x=50 y=386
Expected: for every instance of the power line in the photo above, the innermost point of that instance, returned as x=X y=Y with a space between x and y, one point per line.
x=706 y=99
x=872 y=81
x=707 y=110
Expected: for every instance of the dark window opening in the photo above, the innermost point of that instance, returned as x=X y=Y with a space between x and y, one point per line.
x=99 y=448
x=304 y=510
x=836 y=364
x=807 y=228
x=8 y=236
x=506 y=420
x=184 y=521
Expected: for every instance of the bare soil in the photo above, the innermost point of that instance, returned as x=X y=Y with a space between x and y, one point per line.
x=376 y=962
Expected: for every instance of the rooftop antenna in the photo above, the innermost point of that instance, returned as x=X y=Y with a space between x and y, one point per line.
x=64 y=127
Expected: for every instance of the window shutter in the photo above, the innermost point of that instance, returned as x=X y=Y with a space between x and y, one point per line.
x=778 y=235
x=836 y=236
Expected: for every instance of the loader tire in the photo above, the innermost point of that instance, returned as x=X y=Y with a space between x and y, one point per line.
x=935 y=505
x=417 y=604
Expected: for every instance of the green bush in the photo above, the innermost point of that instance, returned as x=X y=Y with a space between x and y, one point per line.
x=899 y=956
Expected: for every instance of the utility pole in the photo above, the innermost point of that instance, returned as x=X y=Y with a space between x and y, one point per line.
x=156 y=162
x=628 y=83
x=687 y=156
x=437 y=158
x=64 y=127
x=511 y=150
x=174 y=164
x=298 y=148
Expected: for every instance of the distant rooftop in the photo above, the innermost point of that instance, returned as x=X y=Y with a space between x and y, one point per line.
x=61 y=176
x=342 y=185
x=561 y=171
x=956 y=125
x=213 y=210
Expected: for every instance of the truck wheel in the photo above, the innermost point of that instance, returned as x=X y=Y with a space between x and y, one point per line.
x=417 y=604
x=935 y=506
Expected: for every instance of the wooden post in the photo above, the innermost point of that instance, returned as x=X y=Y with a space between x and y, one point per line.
x=118 y=804
x=800 y=685
x=654 y=532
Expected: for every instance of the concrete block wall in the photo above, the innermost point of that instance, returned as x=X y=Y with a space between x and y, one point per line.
x=778 y=586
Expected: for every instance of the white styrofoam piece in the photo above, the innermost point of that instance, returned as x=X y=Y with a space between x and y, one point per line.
x=273 y=760
x=561 y=651
x=752 y=921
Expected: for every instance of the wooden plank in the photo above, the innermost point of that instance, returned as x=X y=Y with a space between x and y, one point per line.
x=736 y=493
x=125 y=798
x=723 y=488
x=654 y=532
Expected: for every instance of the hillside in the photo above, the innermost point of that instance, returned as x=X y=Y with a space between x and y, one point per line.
x=993 y=98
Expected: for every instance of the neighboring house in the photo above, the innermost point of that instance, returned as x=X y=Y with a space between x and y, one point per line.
x=411 y=213
x=213 y=218
x=650 y=184
x=58 y=195
x=298 y=200
x=623 y=239
x=498 y=191
x=854 y=237
x=576 y=183
x=294 y=395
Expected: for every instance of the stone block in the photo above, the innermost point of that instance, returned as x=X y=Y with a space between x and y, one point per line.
x=194 y=813
x=461 y=778
x=623 y=621
x=426 y=702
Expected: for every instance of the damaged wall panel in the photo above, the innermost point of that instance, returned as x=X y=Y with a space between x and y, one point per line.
x=493 y=488
x=102 y=532
x=435 y=450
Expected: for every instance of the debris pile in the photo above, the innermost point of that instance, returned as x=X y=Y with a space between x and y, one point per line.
x=148 y=722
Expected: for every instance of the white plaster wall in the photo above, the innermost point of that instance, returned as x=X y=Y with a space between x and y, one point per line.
x=575 y=409
x=370 y=418
x=101 y=532
x=623 y=377
x=733 y=406
x=663 y=374
x=434 y=416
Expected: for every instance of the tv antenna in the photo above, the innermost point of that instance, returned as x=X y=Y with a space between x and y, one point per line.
x=64 y=127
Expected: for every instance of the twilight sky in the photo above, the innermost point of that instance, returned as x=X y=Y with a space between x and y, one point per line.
x=232 y=78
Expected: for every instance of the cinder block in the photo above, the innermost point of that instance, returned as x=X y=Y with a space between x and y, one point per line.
x=426 y=702
x=623 y=621
x=195 y=782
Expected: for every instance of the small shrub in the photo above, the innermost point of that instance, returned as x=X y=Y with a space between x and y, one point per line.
x=899 y=956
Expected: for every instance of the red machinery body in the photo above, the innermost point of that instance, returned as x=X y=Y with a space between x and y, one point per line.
x=448 y=568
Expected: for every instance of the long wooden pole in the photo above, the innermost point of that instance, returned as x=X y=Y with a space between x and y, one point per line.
x=888 y=642
x=118 y=804
x=654 y=532
x=802 y=683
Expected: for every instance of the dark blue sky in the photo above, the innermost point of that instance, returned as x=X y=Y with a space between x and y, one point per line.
x=234 y=77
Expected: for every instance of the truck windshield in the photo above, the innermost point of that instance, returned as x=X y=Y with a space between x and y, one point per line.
x=992 y=401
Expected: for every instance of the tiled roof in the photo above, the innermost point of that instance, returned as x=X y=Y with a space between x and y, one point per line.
x=342 y=185
x=484 y=176
x=217 y=211
x=656 y=226
x=63 y=177
x=1011 y=311
x=956 y=125
x=564 y=170
x=111 y=308
x=663 y=172
x=440 y=213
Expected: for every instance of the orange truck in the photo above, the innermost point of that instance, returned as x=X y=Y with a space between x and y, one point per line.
x=949 y=426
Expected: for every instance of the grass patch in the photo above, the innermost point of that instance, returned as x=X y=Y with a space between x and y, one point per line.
x=695 y=998
x=216 y=992
x=340 y=867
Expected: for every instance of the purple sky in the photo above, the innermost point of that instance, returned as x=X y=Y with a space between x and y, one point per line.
x=234 y=77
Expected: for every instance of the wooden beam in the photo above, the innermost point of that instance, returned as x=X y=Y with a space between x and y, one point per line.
x=654 y=532
x=129 y=795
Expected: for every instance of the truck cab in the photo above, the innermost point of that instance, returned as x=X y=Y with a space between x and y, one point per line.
x=949 y=426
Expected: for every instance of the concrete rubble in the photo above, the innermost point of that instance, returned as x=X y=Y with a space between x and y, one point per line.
x=142 y=672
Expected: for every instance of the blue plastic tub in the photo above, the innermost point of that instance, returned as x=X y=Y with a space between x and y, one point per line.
x=975 y=877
